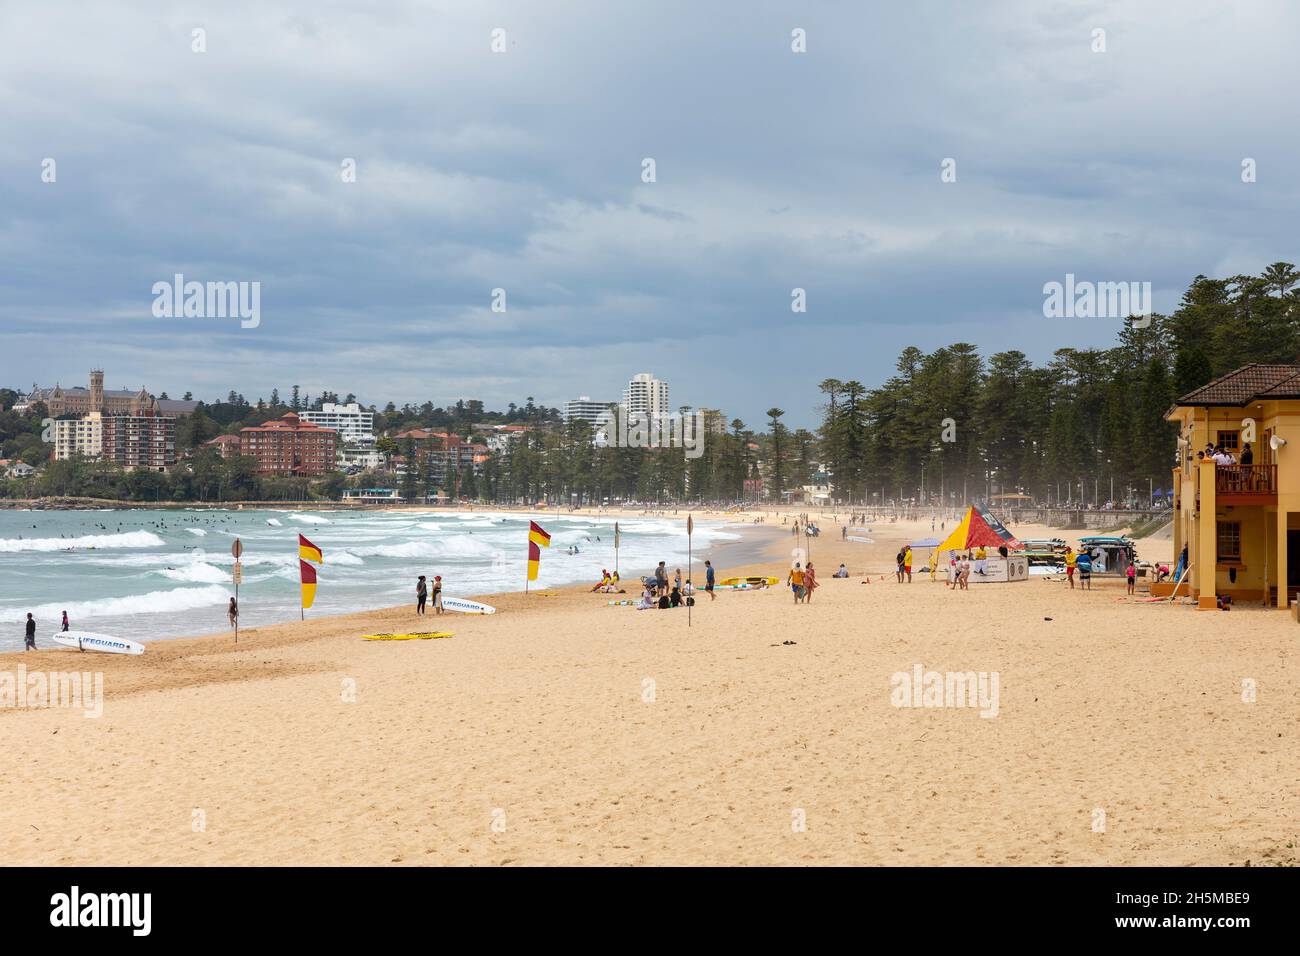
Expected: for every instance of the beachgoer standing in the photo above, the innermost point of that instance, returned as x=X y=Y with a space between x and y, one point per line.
x=708 y=580
x=1132 y=576
x=66 y=626
x=809 y=582
x=898 y=573
x=661 y=579
x=437 y=594
x=232 y=612
x=1071 y=560
x=421 y=594
x=29 y=640
x=907 y=563
x=677 y=579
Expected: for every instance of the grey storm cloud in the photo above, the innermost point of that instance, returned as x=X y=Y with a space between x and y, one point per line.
x=522 y=170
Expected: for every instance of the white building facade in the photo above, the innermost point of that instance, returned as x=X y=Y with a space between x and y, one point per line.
x=583 y=409
x=646 y=394
x=355 y=425
x=79 y=436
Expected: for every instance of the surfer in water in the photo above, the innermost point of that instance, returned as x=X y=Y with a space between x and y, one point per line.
x=29 y=643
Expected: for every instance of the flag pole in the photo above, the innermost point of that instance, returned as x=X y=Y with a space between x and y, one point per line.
x=690 y=565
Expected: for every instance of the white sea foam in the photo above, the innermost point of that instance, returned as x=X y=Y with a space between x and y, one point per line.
x=197 y=573
x=154 y=602
x=309 y=519
x=199 y=531
x=127 y=539
x=274 y=521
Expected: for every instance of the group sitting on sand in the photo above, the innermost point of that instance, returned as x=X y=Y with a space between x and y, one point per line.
x=608 y=583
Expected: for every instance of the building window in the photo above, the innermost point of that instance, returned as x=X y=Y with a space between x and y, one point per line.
x=1229 y=541
x=1229 y=440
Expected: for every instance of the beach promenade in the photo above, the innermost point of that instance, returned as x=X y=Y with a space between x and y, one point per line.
x=562 y=730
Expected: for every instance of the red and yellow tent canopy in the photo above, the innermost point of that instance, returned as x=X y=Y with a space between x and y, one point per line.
x=979 y=529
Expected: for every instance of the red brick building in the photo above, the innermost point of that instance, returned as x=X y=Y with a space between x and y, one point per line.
x=290 y=447
x=140 y=441
x=226 y=445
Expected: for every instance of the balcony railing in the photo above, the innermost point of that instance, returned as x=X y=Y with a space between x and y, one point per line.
x=1260 y=480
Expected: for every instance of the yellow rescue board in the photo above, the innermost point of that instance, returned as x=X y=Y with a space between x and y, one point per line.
x=425 y=636
x=753 y=582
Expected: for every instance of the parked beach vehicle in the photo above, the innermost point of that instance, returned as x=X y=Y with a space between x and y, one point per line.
x=1110 y=554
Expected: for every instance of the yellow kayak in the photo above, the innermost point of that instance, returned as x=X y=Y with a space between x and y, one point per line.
x=424 y=636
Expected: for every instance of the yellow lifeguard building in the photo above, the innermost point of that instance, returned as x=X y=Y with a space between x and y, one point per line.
x=1239 y=516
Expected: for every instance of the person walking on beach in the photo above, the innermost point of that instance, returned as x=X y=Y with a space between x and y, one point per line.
x=65 y=621
x=232 y=612
x=1084 y=564
x=795 y=580
x=437 y=594
x=809 y=583
x=421 y=594
x=29 y=639
x=1071 y=560
x=708 y=580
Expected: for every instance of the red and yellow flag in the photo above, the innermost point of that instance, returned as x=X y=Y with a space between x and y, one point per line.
x=309 y=551
x=538 y=538
x=308 y=576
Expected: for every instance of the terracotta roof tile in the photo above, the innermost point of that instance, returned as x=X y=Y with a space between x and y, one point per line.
x=1244 y=385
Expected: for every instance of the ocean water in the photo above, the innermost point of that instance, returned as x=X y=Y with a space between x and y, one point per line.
x=154 y=574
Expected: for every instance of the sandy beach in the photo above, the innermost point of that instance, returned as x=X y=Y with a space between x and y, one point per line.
x=565 y=731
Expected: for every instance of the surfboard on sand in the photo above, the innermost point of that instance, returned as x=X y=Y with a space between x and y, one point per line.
x=466 y=607
x=103 y=643
x=754 y=581
x=421 y=636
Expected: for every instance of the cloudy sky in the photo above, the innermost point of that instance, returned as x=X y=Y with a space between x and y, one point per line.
x=522 y=170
